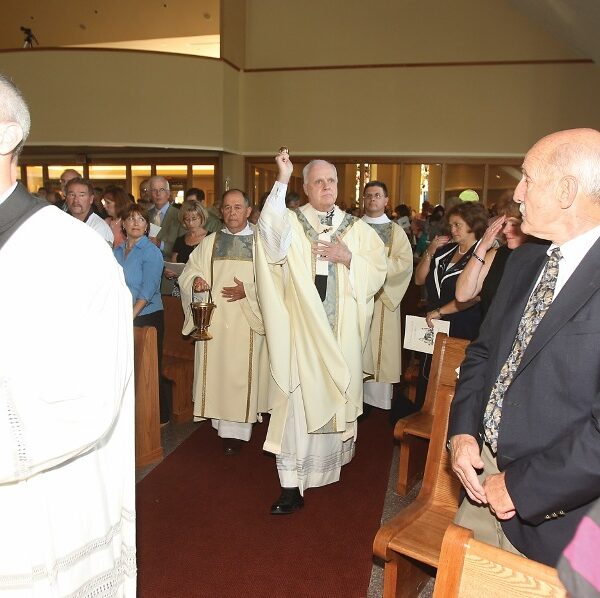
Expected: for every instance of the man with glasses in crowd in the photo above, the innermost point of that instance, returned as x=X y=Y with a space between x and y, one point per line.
x=383 y=353
x=164 y=215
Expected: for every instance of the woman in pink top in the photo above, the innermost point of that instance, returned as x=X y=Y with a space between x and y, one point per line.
x=115 y=200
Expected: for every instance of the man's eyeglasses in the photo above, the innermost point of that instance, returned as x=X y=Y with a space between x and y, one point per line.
x=161 y=190
x=375 y=195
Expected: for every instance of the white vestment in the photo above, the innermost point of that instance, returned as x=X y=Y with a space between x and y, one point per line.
x=227 y=367
x=67 y=462
x=383 y=353
x=315 y=346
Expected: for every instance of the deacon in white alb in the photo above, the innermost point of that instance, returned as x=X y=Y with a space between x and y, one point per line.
x=67 y=470
x=229 y=367
x=382 y=362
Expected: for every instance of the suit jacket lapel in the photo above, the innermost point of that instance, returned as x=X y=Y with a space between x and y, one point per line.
x=582 y=284
x=164 y=225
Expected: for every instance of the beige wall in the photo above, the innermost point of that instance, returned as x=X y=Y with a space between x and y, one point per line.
x=233 y=31
x=233 y=172
x=317 y=32
x=123 y=98
x=144 y=99
x=475 y=110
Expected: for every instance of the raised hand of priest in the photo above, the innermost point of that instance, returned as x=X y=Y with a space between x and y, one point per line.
x=285 y=167
x=234 y=293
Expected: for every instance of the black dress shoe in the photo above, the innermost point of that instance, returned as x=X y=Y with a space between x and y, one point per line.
x=289 y=501
x=232 y=446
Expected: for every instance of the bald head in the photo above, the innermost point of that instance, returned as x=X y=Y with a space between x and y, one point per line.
x=69 y=174
x=559 y=193
x=576 y=153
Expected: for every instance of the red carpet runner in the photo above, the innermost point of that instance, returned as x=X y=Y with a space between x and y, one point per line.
x=204 y=528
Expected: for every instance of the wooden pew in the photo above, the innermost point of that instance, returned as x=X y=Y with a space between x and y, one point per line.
x=410 y=543
x=414 y=431
x=471 y=569
x=147 y=413
x=178 y=360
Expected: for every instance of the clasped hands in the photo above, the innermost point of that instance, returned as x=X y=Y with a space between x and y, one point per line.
x=234 y=293
x=335 y=251
x=466 y=458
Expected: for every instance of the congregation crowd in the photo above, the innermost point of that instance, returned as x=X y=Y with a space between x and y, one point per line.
x=307 y=328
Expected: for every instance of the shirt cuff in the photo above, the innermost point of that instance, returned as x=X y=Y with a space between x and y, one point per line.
x=276 y=199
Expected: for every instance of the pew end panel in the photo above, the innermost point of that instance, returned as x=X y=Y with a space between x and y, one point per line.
x=470 y=569
x=410 y=543
x=413 y=432
x=178 y=360
x=148 y=447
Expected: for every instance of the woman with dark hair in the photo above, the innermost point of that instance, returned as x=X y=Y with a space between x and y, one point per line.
x=481 y=276
x=142 y=264
x=441 y=264
x=438 y=270
x=115 y=200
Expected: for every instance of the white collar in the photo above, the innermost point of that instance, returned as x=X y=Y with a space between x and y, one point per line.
x=378 y=220
x=244 y=232
x=576 y=248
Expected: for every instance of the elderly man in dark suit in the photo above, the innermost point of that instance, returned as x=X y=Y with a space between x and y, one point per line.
x=527 y=406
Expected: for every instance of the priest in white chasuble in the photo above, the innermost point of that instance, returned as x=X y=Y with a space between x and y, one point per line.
x=228 y=367
x=317 y=271
x=383 y=354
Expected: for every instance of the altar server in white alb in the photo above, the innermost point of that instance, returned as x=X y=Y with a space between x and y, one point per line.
x=383 y=354
x=67 y=470
x=228 y=367
x=318 y=269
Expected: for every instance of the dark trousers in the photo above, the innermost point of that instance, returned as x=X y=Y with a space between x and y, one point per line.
x=156 y=319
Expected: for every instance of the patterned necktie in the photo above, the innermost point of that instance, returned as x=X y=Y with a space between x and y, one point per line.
x=536 y=307
x=156 y=218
